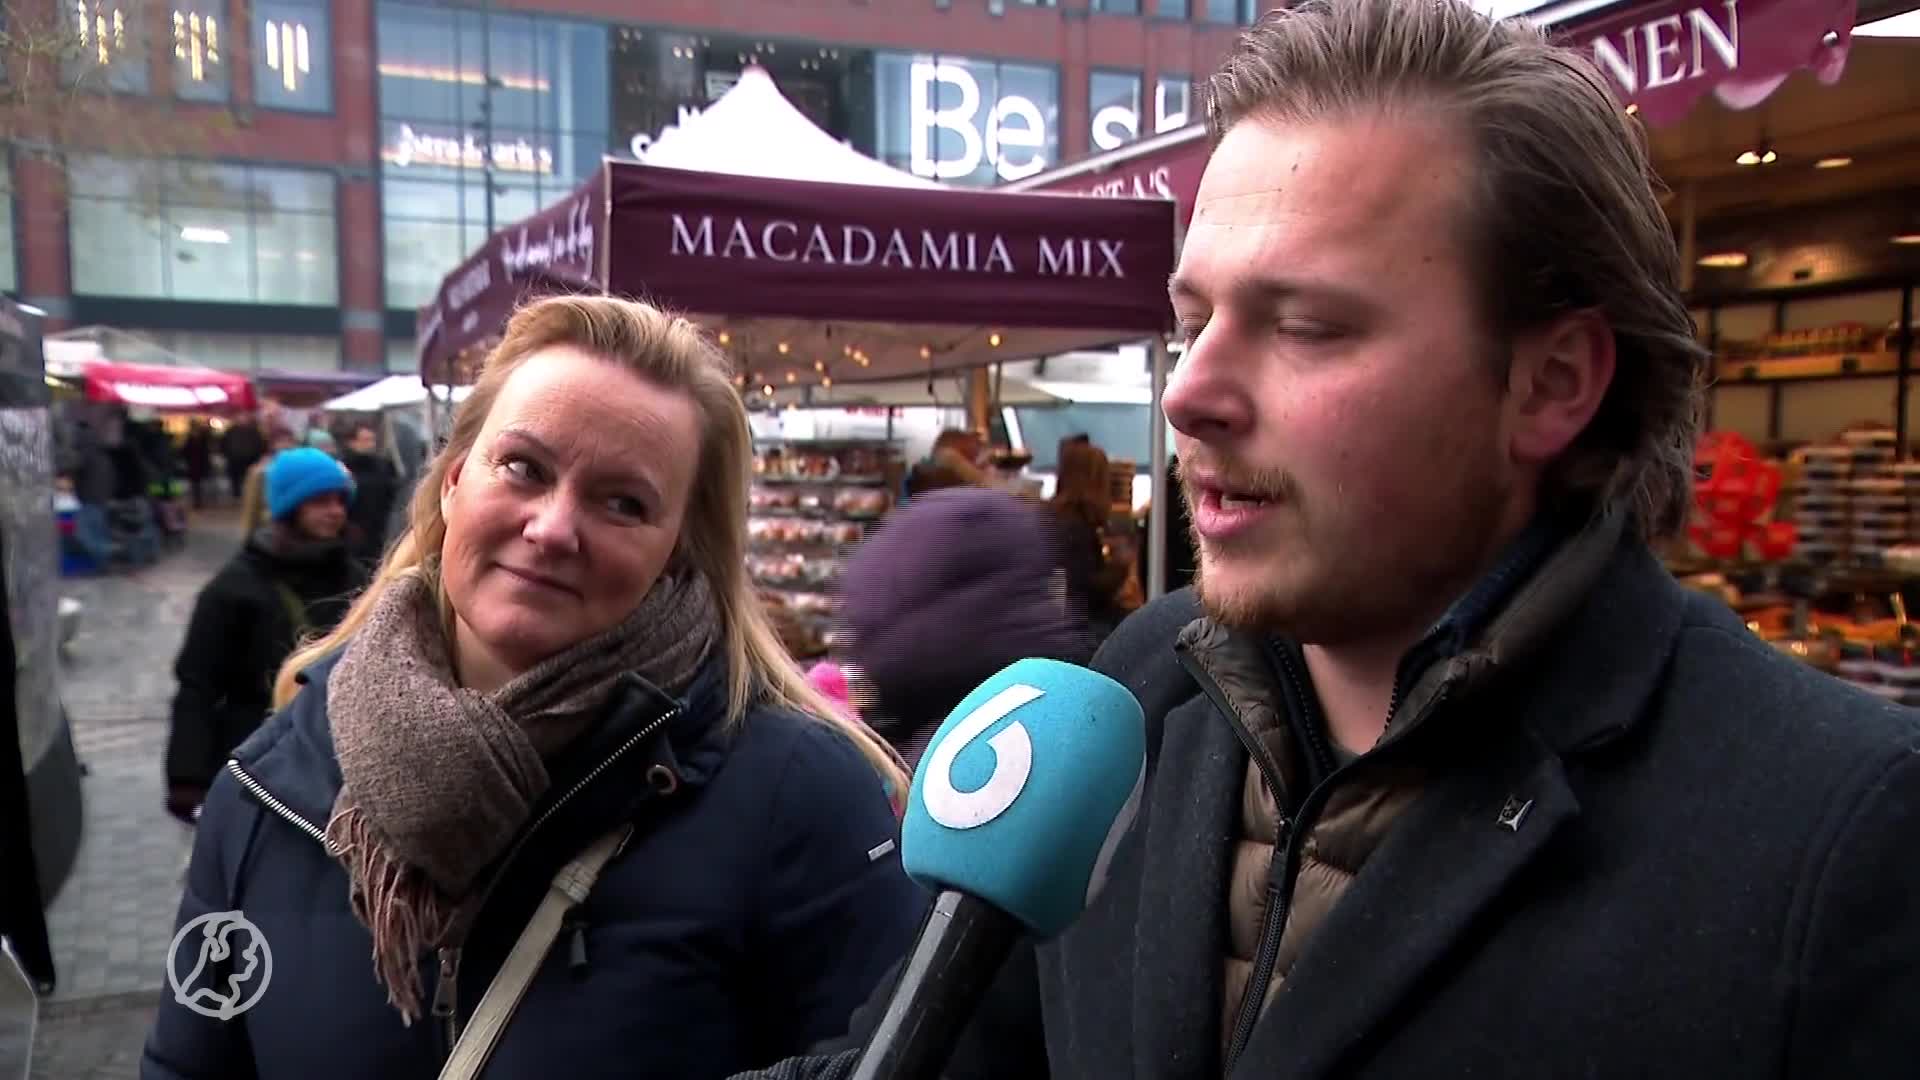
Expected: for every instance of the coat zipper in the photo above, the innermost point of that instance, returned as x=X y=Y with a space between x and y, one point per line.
x=1280 y=873
x=279 y=808
x=1280 y=879
x=446 y=993
x=446 y=989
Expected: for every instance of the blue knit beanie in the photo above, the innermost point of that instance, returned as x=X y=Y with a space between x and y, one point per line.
x=298 y=474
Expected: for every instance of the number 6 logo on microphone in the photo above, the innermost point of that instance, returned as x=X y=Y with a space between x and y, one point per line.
x=1012 y=763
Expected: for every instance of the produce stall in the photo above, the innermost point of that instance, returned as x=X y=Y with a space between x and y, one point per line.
x=813 y=501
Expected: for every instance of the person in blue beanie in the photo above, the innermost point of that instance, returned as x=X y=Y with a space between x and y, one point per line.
x=292 y=579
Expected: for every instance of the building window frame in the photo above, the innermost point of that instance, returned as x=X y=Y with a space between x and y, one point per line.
x=129 y=68
x=10 y=268
x=160 y=173
x=1163 y=80
x=273 y=62
x=472 y=190
x=197 y=37
x=1138 y=79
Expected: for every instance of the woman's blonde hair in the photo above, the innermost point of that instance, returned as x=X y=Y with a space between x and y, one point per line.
x=671 y=352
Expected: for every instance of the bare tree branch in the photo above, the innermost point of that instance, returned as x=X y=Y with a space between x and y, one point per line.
x=56 y=75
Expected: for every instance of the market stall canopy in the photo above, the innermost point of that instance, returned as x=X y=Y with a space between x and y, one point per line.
x=167 y=389
x=811 y=280
x=1164 y=166
x=552 y=251
x=1019 y=386
x=753 y=130
x=1664 y=57
x=392 y=392
x=852 y=282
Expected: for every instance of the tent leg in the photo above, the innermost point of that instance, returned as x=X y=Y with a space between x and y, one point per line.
x=1157 y=453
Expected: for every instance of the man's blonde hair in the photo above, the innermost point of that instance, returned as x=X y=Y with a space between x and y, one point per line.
x=1565 y=217
x=670 y=352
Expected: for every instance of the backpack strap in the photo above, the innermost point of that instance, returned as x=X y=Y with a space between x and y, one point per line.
x=570 y=886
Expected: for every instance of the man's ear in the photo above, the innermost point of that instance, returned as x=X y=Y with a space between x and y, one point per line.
x=1558 y=379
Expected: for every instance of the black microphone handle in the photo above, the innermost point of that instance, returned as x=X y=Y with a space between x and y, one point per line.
x=961 y=947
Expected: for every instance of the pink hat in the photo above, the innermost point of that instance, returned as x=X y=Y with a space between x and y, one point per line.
x=827 y=678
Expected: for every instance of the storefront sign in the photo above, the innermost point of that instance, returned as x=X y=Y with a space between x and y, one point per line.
x=1168 y=172
x=756 y=246
x=1663 y=57
x=411 y=147
x=1011 y=134
x=786 y=241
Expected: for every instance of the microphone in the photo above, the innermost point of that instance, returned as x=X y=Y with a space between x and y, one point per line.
x=1020 y=801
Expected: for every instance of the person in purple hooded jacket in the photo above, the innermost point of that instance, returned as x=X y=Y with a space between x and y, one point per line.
x=950 y=589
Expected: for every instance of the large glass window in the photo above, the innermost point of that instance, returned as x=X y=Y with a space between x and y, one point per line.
x=1172 y=101
x=1231 y=12
x=1117 y=7
x=292 y=55
x=196 y=231
x=966 y=121
x=1172 y=9
x=249 y=352
x=200 y=40
x=663 y=78
x=109 y=45
x=9 y=275
x=487 y=117
x=1114 y=102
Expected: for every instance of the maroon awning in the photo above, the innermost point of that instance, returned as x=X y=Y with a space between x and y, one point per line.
x=751 y=246
x=551 y=251
x=1663 y=57
x=1161 y=168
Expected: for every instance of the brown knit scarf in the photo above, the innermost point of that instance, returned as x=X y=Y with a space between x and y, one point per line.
x=439 y=779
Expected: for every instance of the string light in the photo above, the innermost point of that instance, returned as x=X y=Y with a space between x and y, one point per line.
x=926 y=352
x=994 y=340
x=783 y=348
x=725 y=337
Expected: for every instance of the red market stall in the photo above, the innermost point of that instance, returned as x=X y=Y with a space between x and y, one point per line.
x=167 y=389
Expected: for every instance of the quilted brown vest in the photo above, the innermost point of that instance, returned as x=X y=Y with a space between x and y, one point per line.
x=1361 y=812
x=1353 y=823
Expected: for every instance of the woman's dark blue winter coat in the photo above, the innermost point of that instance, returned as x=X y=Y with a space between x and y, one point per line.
x=758 y=903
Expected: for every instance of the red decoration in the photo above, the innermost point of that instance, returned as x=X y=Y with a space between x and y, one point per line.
x=1737 y=499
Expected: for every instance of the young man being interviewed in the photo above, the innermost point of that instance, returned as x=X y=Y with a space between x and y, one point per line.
x=1447 y=776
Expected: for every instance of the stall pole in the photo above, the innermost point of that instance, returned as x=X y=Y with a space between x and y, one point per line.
x=1157 y=453
x=1901 y=420
x=979 y=402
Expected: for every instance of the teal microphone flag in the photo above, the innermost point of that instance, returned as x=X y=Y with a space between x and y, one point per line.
x=1025 y=792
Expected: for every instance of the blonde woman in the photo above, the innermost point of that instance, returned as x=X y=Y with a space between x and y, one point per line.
x=562 y=644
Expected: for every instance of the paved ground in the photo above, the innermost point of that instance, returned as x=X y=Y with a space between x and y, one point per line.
x=113 y=919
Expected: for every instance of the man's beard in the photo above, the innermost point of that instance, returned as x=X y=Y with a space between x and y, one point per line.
x=1339 y=599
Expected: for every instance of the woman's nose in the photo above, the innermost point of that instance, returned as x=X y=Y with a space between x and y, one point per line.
x=553 y=525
